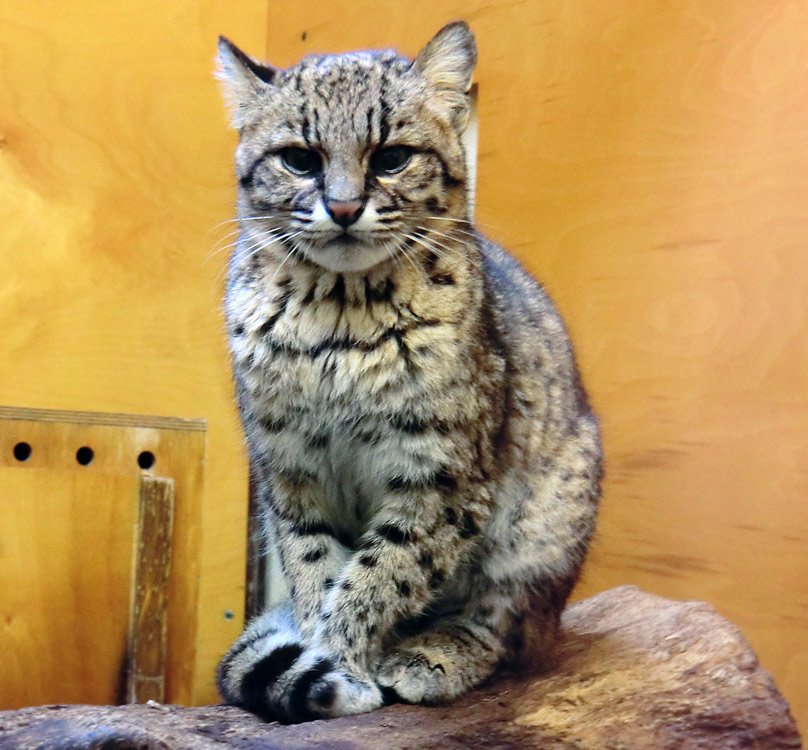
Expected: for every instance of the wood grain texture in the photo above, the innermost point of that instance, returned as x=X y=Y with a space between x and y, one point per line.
x=115 y=170
x=27 y=414
x=116 y=444
x=649 y=162
x=147 y=663
x=64 y=610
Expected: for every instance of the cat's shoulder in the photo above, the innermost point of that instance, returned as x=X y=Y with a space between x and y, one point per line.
x=513 y=291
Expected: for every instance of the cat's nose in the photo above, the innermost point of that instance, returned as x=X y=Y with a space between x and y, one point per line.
x=344 y=213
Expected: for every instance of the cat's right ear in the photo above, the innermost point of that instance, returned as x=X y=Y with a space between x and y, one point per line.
x=243 y=79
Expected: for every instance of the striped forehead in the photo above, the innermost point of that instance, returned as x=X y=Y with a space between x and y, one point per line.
x=346 y=97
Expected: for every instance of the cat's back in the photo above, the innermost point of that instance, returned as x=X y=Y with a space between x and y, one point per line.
x=528 y=324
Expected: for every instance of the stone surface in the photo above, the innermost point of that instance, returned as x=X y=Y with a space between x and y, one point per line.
x=631 y=671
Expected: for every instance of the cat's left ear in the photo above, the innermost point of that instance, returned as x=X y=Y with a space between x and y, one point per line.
x=243 y=79
x=448 y=59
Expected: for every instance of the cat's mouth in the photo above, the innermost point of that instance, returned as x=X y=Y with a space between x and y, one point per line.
x=347 y=252
x=344 y=240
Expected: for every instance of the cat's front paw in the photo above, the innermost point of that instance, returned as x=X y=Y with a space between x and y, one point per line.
x=334 y=692
x=415 y=675
x=275 y=676
x=310 y=687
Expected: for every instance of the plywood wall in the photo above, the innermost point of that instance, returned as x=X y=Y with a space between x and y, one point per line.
x=649 y=162
x=115 y=169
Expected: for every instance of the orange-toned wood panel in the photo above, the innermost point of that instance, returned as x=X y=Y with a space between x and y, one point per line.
x=65 y=603
x=649 y=162
x=83 y=446
x=115 y=170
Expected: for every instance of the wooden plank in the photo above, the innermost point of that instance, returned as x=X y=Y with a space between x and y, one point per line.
x=148 y=625
x=255 y=595
x=102 y=418
x=66 y=550
x=648 y=162
x=55 y=446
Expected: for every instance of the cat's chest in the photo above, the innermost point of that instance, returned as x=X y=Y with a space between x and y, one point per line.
x=316 y=356
x=331 y=354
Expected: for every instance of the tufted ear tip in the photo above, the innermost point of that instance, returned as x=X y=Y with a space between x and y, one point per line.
x=460 y=31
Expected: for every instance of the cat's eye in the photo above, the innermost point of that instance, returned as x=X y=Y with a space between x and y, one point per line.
x=390 y=159
x=302 y=161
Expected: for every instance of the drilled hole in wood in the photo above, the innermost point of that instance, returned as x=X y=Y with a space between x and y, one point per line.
x=146 y=460
x=85 y=455
x=22 y=451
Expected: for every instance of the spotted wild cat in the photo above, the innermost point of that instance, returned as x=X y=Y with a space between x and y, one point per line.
x=426 y=458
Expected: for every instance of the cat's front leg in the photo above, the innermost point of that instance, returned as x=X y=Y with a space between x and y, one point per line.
x=316 y=682
x=311 y=553
x=313 y=681
x=272 y=669
x=399 y=569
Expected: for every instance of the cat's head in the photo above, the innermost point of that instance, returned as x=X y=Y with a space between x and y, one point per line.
x=349 y=160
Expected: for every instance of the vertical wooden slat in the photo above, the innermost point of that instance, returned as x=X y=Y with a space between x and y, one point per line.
x=146 y=672
x=255 y=595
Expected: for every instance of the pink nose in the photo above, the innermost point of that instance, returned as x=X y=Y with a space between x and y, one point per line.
x=344 y=213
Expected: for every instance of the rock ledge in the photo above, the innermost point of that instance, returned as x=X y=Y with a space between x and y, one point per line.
x=631 y=670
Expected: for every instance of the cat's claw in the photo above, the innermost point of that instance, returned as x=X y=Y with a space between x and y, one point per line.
x=410 y=676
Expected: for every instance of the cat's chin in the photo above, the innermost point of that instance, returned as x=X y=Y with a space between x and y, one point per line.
x=339 y=256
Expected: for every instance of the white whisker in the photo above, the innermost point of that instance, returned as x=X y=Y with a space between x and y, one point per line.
x=403 y=251
x=448 y=249
x=294 y=251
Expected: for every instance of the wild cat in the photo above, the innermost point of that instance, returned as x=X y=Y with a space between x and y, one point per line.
x=425 y=455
